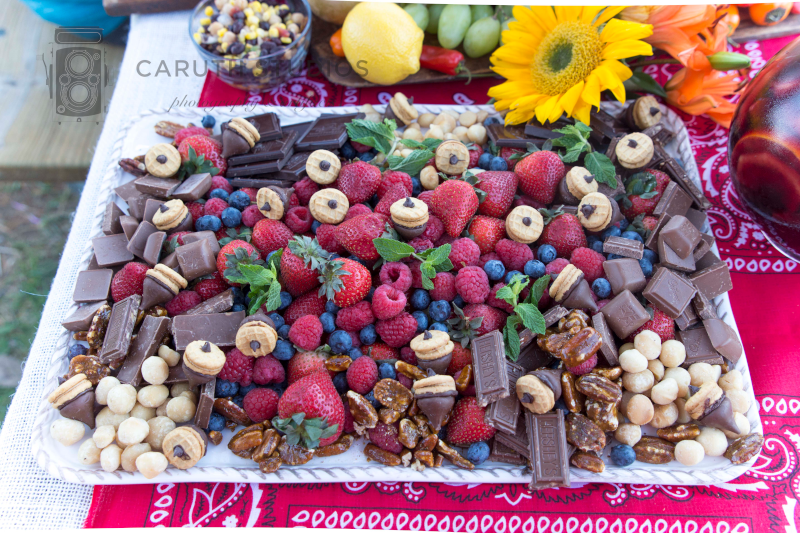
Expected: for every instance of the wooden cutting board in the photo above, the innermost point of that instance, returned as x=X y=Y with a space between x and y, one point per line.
x=123 y=8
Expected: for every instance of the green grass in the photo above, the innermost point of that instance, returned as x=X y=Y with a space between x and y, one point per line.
x=5 y=401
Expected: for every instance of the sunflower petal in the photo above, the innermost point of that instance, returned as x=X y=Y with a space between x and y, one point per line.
x=544 y=109
x=511 y=89
x=617 y=67
x=571 y=97
x=568 y=13
x=556 y=113
x=620 y=30
x=518 y=116
x=514 y=52
x=544 y=16
x=511 y=72
x=607 y=14
x=530 y=20
x=589 y=13
x=627 y=48
x=583 y=112
x=529 y=101
x=523 y=34
x=591 y=90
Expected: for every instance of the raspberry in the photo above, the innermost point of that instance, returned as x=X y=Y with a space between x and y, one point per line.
x=589 y=262
x=472 y=284
x=435 y=228
x=268 y=370
x=251 y=192
x=461 y=358
x=180 y=135
x=556 y=266
x=299 y=219
x=426 y=196
x=408 y=355
x=309 y=303
x=485 y=258
x=464 y=252
x=585 y=367
x=444 y=287
x=444 y=239
x=420 y=244
x=347 y=426
x=184 y=301
x=196 y=209
x=493 y=318
x=221 y=182
x=362 y=375
x=387 y=302
x=215 y=207
x=392 y=178
x=416 y=274
x=261 y=404
x=128 y=281
x=494 y=301
x=405 y=381
x=208 y=288
x=398 y=192
x=327 y=239
x=385 y=437
x=396 y=274
x=251 y=215
x=305 y=189
x=238 y=367
x=354 y=338
x=397 y=331
x=306 y=332
x=357 y=210
x=270 y=235
x=356 y=317
x=513 y=254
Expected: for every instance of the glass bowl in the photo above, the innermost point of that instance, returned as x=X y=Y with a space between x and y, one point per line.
x=265 y=71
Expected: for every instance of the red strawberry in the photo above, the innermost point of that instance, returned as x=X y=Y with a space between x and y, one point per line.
x=300 y=262
x=326 y=236
x=270 y=235
x=475 y=153
x=539 y=175
x=310 y=303
x=499 y=187
x=208 y=288
x=380 y=351
x=233 y=254
x=189 y=131
x=644 y=190
x=359 y=181
x=507 y=154
x=660 y=323
x=128 y=281
x=493 y=318
x=398 y=192
x=304 y=364
x=461 y=358
x=316 y=397
x=346 y=282
x=564 y=233
x=357 y=233
x=206 y=146
x=466 y=424
x=454 y=202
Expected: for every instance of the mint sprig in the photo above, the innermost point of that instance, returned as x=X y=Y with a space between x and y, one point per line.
x=264 y=286
x=575 y=142
x=378 y=135
x=426 y=144
x=412 y=164
x=526 y=312
x=434 y=260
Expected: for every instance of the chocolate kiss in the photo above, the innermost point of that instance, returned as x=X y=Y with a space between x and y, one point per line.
x=80 y=408
x=233 y=143
x=722 y=417
x=436 y=408
x=154 y=293
x=437 y=365
x=195 y=379
x=564 y=195
x=616 y=214
x=580 y=297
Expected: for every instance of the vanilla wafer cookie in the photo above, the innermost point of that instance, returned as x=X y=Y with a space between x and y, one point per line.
x=323 y=167
x=162 y=160
x=524 y=224
x=565 y=280
x=595 y=211
x=248 y=132
x=452 y=157
x=329 y=206
x=269 y=203
x=635 y=150
x=580 y=182
x=646 y=112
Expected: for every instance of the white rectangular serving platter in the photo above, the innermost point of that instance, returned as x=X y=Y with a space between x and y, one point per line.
x=220 y=465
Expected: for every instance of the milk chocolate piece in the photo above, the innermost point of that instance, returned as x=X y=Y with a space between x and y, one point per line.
x=152 y=248
x=205 y=405
x=150 y=207
x=138 y=242
x=624 y=275
x=326 y=133
x=511 y=136
x=570 y=209
x=674 y=202
x=698 y=347
x=677 y=173
x=504 y=413
x=518 y=441
x=145 y=345
x=713 y=281
x=158 y=187
x=724 y=339
x=609 y=347
x=549 y=453
x=708 y=260
x=564 y=195
x=579 y=296
x=532 y=357
x=154 y=292
x=722 y=417
x=438 y=365
x=680 y=235
x=437 y=407
x=612 y=193
x=489 y=367
x=120 y=328
x=128 y=225
x=624 y=247
x=111 y=250
x=267 y=124
x=196 y=379
x=192 y=188
x=137 y=206
x=92 y=285
x=176 y=375
x=196 y=259
x=670 y=259
x=546 y=131
x=128 y=191
x=687 y=319
x=217 y=328
x=703 y=307
x=81 y=319
x=216 y=304
x=172 y=261
x=259 y=168
x=703 y=247
x=550 y=377
x=624 y=314
x=111 y=225
x=669 y=292
x=80 y=408
x=698 y=218
x=651 y=241
x=276 y=149
x=233 y=143
x=554 y=314
x=503 y=454
x=200 y=235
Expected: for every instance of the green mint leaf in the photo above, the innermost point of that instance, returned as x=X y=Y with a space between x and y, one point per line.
x=257 y=299
x=427 y=270
x=537 y=290
x=511 y=337
x=583 y=128
x=275 y=259
x=392 y=250
x=531 y=317
x=257 y=275
x=411 y=164
x=573 y=154
x=274 y=297
x=379 y=135
x=439 y=255
x=507 y=294
x=411 y=143
x=432 y=144
x=427 y=284
x=445 y=266
x=601 y=168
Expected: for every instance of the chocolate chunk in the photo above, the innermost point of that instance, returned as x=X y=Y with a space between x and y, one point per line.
x=151 y=207
x=292 y=171
x=549 y=454
x=722 y=417
x=93 y=285
x=669 y=292
x=624 y=314
x=677 y=173
x=80 y=408
x=268 y=126
x=504 y=413
x=205 y=405
x=192 y=188
x=216 y=304
x=563 y=195
x=698 y=218
x=233 y=143
x=157 y=187
x=532 y=357
x=176 y=375
x=152 y=248
x=111 y=225
x=698 y=347
x=154 y=292
x=609 y=347
x=326 y=133
x=259 y=168
x=196 y=259
x=300 y=128
x=138 y=242
x=137 y=206
x=713 y=281
x=200 y=235
x=437 y=407
x=624 y=247
x=605 y=127
x=503 y=454
x=659 y=133
x=569 y=209
x=579 y=296
x=673 y=202
x=687 y=319
x=172 y=261
x=81 y=319
x=708 y=260
x=120 y=328
x=724 y=339
x=196 y=379
x=624 y=274
x=703 y=307
x=143 y=346
x=276 y=149
x=551 y=377
x=670 y=259
x=128 y=225
x=518 y=441
x=489 y=367
x=602 y=188
x=703 y=247
x=554 y=314
x=218 y=328
x=111 y=250
x=546 y=131
x=680 y=235
x=128 y=191
x=651 y=241
x=510 y=136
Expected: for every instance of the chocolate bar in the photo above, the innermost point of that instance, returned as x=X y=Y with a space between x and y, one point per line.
x=93 y=285
x=674 y=202
x=604 y=126
x=326 y=133
x=703 y=247
x=282 y=148
x=258 y=183
x=192 y=188
x=260 y=168
x=724 y=339
x=136 y=205
x=81 y=319
x=503 y=454
x=713 y=281
x=128 y=191
x=670 y=259
x=677 y=173
x=696 y=217
x=708 y=260
x=698 y=347
x=196 y=259
x=570 y=209
x=152 y=248
x=489 y=367
x=669 y=292
x=143 y=346
x=687 y=319
x=267 y=124
x=300 y=128
x=120 y=328
x=549 y=453
x=703 y=307
x=176 y=375
x=216 y=304
x=504 y=413
x=158 y=187
x=205 y=405
x=217 y=328
x=510 y=136
x=624 y=314
x=128 y=225
x=111 y=250
x=659 y=133
x=554 y=314
x=531 y=357
x=518 y=441
x=200 y=235
x=111 y=225
x=546 y=131
x=609 y=347
x=624 y=247
x=624 y=274
x=138 y=242
x=150 y=207
x=680 y=235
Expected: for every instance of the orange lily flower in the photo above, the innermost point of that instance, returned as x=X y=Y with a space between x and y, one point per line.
x=701 y=92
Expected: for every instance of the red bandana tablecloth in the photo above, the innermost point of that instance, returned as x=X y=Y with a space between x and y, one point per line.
x=764 y=301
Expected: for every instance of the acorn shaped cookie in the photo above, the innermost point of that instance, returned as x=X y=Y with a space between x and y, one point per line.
x=202 y=361
x=575 y=185
x=635 y=150
x=328 y=206
x=323 y=167
x=184 y=446
x=256 y=336
x=452 y=157
x=434 y=350
x=709 y=405
x=524 y=224
x=238 y=137
x=273 y=201
x=173 y=216
x=540 y=390
x=410 y=217
x=401 y=110
x=162 y=161
x=435 y=397
x=643 y=113
x=74 y=399
x=571 y=290
x=161 y=284
x=595 y=212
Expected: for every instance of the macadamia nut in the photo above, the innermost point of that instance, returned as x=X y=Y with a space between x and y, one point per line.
x=740 y=400
x=426 y=119
x=107 y=417
x=477 y=134
x=683 y=416
x=131 y=453
x=657 y=368
x=434 y=132
x=151 y=464
x=180 y=409
x=665 y=392
x=713 y=441
x=190 y=395
x=648 y=343
x=681 y=377
x=161 y=410
x=88 y=453
x=625 y=347
x=132 y=431
x=742 y=423
x=461 y=134
x=632 y=361
x=628 y=434
x=140 y=411
x=731 y=381
x=429 y=178
x=155 y=370
x=446 y=122
x=673 y=353
x=413 y=134
x=689 y=452
x=639 y=382
x=639 y=410
x=160 y=426
x=104 y=435
x=664 y=415
x=67 y=432
x=703 y=373
x=169 y=355
x=103 y=386
x=178 y=389
x=121 y=399
x=153 y=395
x=467 y=118
x=111 y=457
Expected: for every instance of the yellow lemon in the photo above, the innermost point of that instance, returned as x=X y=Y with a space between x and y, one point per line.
x=381 y=42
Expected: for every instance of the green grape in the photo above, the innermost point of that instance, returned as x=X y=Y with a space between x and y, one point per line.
x=419 y=13
x=482 y=37
x=479 y=12
x=454 y=22
x=433 y=17
x=508 y=12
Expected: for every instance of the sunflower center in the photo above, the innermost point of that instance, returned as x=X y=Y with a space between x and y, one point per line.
x=566 y=56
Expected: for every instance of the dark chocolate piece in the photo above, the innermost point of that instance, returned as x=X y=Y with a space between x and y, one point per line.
x=518 y=441
x=551 y=377
x=504 y=413
x=154 y=292
x=300 y=128
x=194 y=378
x=687 y=319
x=326 y=133
x=137 y=206
x=489 y=367
x=554 y=314
x=503 y=454
x=510 y=136
x=111 y=225
x=81 y=319
x=602 y=188
x=698 y=347
x=669 y=292
x=192 y=188
x=609 y=347
x=138 y=242
x=652 y=240
x=216 y=304
x=293 y=170
x=267 y=124
x=713 y=281
x=605 y=127
x=120 y=328
x=150 y=207
x=532 y=357
x=205 y=405
x=128 y=191
x=80 y=408
x=724 y=339
x=152 y=248
x=128 y=225
x=92 y=285
x=546 y=131
x=703 y=307
x=563 y=194
x=677 y=173
x=721 y=417
x=624 y=274
x=196 y=259
x=200 y=235
x=674 y=202
x=217 y=328
x=259 y=168
x=145 y=345
x=698 y=218
x=266 y=151
x=703 y=247
x=258 y=183
x=624 y=314
x=111 y=250
x=680 y=235
x=579 y=296
x=670 y=259
x=659 y=133
x=624 y=247
x=158 y=187
x=549 y=453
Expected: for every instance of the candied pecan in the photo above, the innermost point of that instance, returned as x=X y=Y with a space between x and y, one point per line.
x=246 y=439
x=338 y=363
x=382 y=456
x=409 y=371
x=97 y=330
x=654 y=451
x=132 y=166
x=599 y=388
x=575 y=321
x=364 y=414
x=553 y=342
x=166 y=128
x=584 y=434
x=413 y=410
x=80 y=335
x=587 y=461
x=453 y=456
x=341 y=445
x=294 y=454
x=573 y=399
x=613 y=373
x=89 y=365
x=244 y=454
x=603 y=414
x=580 y=347
x=393 y=394
x=270 y=465
x=438 y=460
x=679 y=432
x=231 y=412
x=464 y=379
x=215 y=437
x=269 y=444
x=405 y=456
x=428 y=444
x=408 y=433
x=744 y=448
x=425 y=458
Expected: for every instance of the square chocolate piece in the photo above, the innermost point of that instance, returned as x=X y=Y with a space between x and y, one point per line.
x=489 y=367
x=267 y=151
x=93 y=285
x=327 y=133
x=670 y=259
x=218 y=328
x=713 y=281
x=673 y=201
x=510 y=136
x=680 y=235
x=267 y=124
x=138 y=242
x=624 y=275
x=710 y=259
x=698 y=347
x=111 y=225
x=545 y=131
x=129 y=225
x=158 y=187
x=128 y=190
x=136 y=205
x=687 y=319
x=504 y=413
x=196 y=259
x=609 y=347
x=624 y=247
x=706 y=242
x=200 y=235
x=150 y=208
x=669 y=292
x=111 y=250
x=624 y=314
x=652 y=240
x=81 y=319
x=192 y=188
x=696 y=217
x=703 y=307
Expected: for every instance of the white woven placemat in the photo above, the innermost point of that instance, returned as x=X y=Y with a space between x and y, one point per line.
x=29 y=497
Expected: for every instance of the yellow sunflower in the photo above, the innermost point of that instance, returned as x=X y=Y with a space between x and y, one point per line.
x=559 y=59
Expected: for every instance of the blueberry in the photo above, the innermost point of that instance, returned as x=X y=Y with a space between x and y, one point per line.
x=442 y=434
x=622 y=455
x=366 y=156
x=632 y=235
x=348 y=152
x=459 y=301
x=231 y=217
x=368 y=335
x=76 y=350
x=359 y=260
x=238 y=295
x=244 y=390
x=623 y=224
x=534 y=269
x=546 y=254
x=247 y=301
x=328 y=322
x=370 y=396
x=279 y=388
x=438 y=326
x=591 y=239
x=420 y=299
x=286 y=299
x=283 y=350
x=331 y=307
x=219 y=193
x=485 y=160
x=315 y=226
x=494 y=269
x=340 y=341
x=647 y=267
x=239 y=200
x=355 y=353
x=208 y=121
x=561 y=406
x=369 y=294
x=216 y=422
x=277 y=320
x=615 y=256
x=238 y=307
x=498 y=163
x=225 y=389
x=439 y=311
x=611 y=231
x=477 y=453
x=386 y=371
x=283 y=331
x=650 y=255
x=416 y=186
x=492 y=120
x=238 y=400
x=422 y=320
x=207 y=223
x=597 y=246
x=602 y=288
x=510 y=275
x=340 y=382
